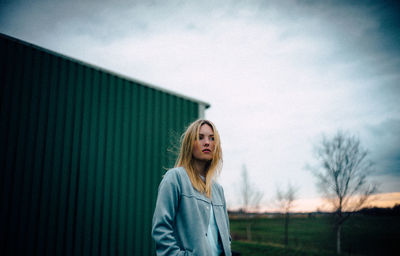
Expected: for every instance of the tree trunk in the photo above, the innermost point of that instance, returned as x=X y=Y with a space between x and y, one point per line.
x=286 y=229
x=248 y=229
x=338 y=228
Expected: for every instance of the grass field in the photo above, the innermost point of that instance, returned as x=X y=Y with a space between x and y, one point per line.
x=361 y=235
x=259 y=249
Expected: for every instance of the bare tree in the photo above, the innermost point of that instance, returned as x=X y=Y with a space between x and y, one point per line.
x=251 y=198
x=285 y=200
x=342 y=172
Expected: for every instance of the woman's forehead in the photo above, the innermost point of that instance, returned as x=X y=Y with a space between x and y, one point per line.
x=206 y=128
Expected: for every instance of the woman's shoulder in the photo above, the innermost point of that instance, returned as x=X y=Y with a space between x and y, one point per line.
x=176 y=174
x=178 y=178
x=218 y=187
x=176 y=171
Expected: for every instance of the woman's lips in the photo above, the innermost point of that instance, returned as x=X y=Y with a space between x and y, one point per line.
x=206 y=151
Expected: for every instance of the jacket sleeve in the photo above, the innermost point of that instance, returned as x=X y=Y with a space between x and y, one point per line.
x=164 y=215
x=227 y=217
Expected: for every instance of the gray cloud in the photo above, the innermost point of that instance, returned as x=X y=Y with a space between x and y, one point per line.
x=106 y=19
x=385 y=146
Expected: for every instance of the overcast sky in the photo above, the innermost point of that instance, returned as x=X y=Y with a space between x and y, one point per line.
x=277 y=74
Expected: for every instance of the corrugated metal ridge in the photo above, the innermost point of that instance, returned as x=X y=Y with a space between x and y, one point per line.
x=205 y=104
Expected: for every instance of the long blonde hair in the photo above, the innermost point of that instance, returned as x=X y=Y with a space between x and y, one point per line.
x=185 y=158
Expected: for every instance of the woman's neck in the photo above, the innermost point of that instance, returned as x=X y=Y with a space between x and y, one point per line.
x=200 y=167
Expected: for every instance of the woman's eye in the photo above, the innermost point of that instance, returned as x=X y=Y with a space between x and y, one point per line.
x=212 y=138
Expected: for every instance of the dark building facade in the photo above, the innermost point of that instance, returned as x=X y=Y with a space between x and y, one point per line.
x=82 y=151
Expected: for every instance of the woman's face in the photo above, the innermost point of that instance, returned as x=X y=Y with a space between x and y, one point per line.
x=204 y=147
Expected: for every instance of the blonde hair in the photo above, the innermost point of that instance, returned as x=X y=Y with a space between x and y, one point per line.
x=185 y=158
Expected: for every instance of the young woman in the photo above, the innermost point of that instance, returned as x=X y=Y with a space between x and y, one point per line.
x=190 y=217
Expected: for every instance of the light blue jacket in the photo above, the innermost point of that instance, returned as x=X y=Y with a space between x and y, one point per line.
x=182 y=215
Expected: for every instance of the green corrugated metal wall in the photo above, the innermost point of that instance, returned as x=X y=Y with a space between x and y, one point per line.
x=82 y=154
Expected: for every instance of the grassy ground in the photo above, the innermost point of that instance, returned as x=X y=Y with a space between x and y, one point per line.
x=262 y=249
x=361 y=235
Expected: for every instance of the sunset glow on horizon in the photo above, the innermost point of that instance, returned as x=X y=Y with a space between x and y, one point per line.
x=383 y=200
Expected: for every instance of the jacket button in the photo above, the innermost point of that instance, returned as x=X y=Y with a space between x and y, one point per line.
x=206 y=234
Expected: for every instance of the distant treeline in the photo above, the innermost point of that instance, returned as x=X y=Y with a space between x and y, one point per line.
x=377 y=211
x=370 y=211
